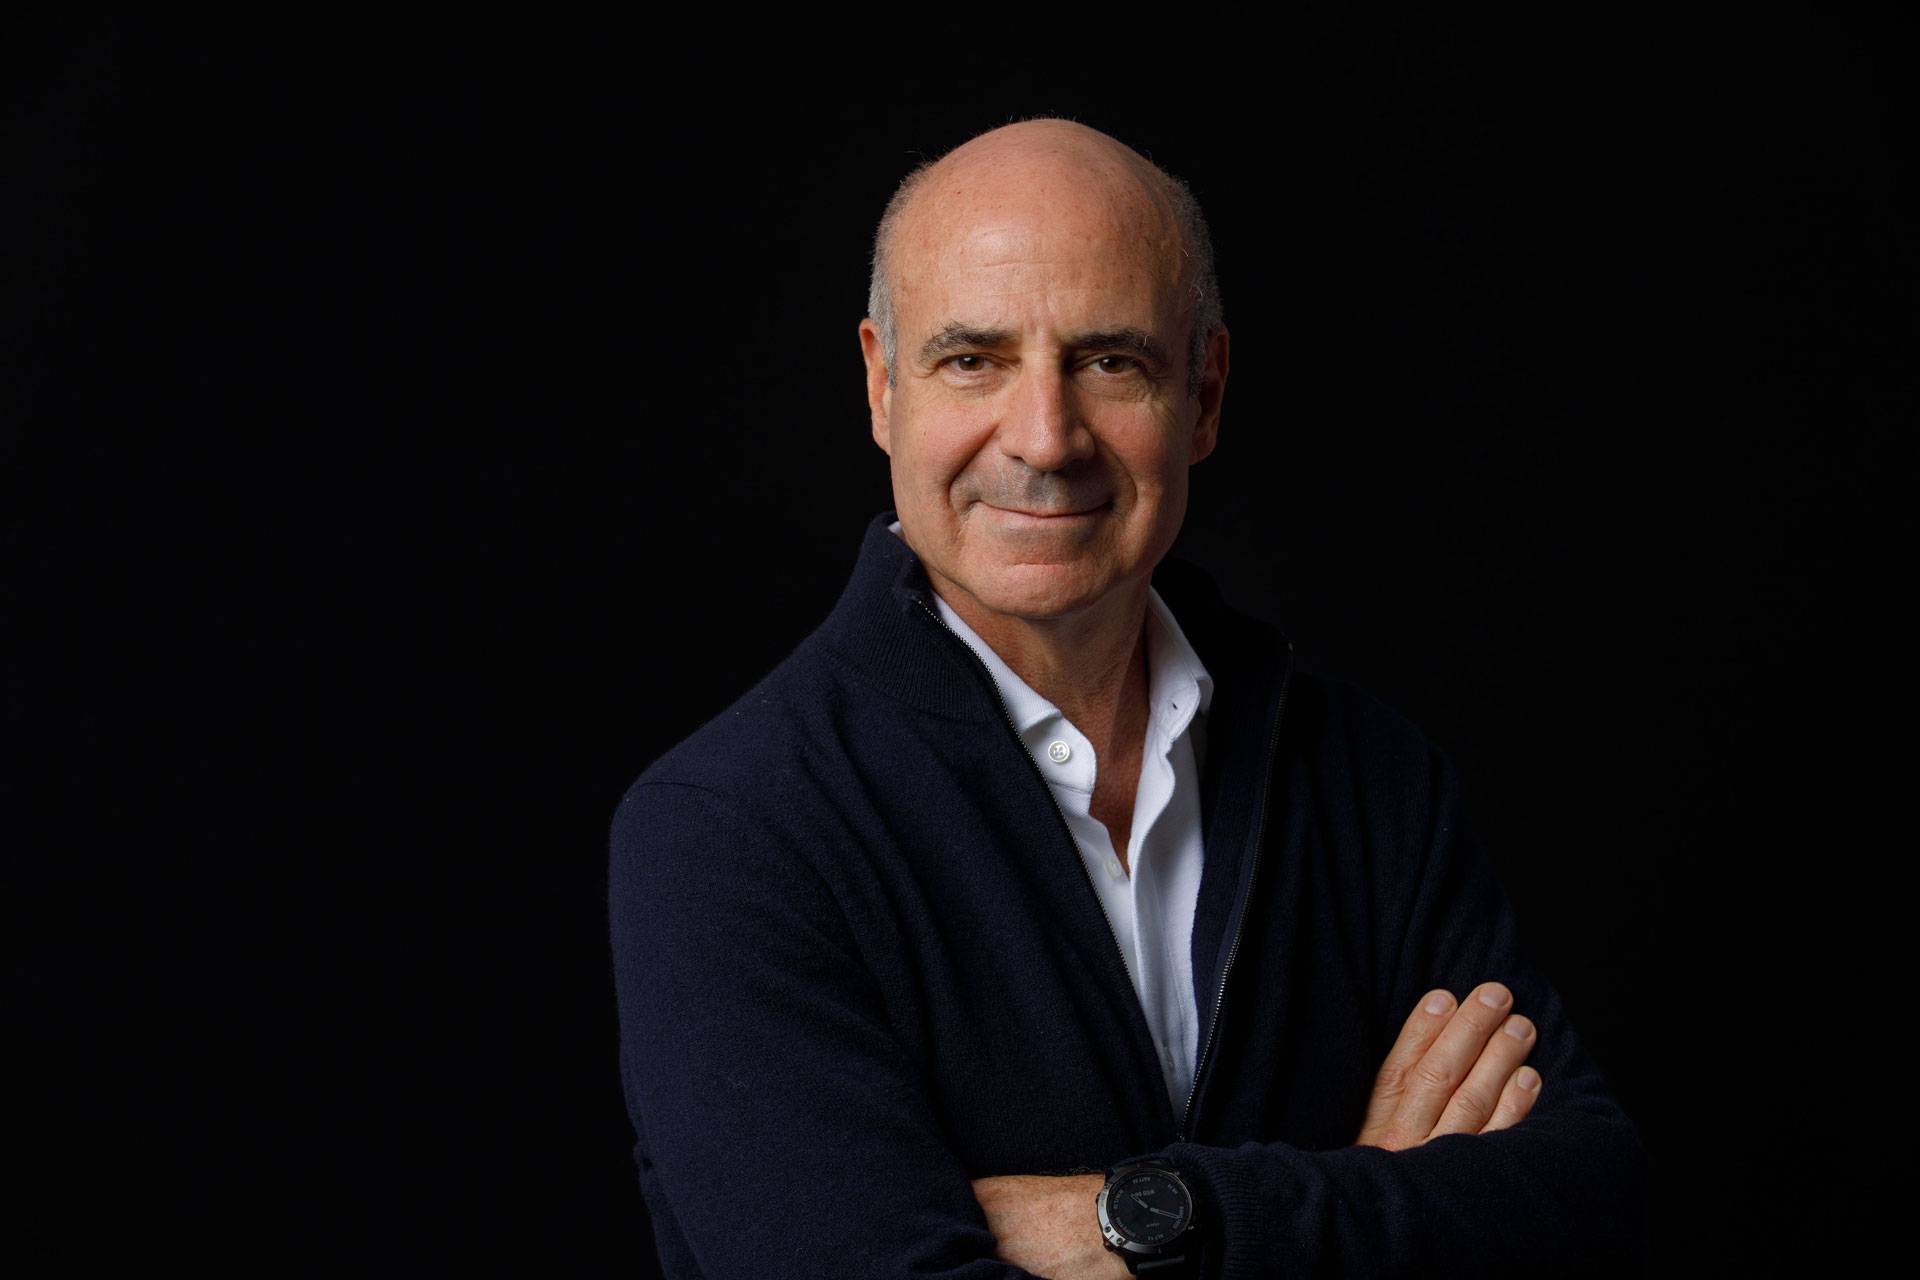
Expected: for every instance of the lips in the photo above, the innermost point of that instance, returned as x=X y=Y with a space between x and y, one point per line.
x=1048 y=515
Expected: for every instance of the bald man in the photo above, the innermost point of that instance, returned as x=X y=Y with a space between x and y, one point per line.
x=1035 y=916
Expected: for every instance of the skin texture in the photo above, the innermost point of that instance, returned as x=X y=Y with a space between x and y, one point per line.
x=1047 y=1225
x=1039 y=460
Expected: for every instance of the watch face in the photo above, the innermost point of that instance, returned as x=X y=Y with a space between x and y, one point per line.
x=1149 y=1207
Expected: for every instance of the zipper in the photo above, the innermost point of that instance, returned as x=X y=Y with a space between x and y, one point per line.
x=1246 y=908
x=1066 y=831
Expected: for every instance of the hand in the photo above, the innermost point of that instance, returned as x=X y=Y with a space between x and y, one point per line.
x=1047 y=1225
x=1453 y=1071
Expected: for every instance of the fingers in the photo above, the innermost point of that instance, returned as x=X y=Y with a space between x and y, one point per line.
x=1523 y=1089
x=1417 y=1035
x=1453 y=1071
x=1428 y=1087
x=1474 y=1101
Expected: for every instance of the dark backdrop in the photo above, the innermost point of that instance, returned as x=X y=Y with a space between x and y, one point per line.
x=408 y=435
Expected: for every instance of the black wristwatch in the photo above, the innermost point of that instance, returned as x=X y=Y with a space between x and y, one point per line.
x=1147 y=1215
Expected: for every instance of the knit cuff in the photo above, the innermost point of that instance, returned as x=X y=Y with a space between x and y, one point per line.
x=1239 y=1224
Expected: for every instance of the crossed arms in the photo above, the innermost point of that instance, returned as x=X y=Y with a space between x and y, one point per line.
x=785 y=1131
x=1456 y=1068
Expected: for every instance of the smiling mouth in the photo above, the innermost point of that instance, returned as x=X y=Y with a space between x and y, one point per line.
x=1048 y=515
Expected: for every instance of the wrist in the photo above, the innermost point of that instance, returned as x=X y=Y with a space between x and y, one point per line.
x=1150 y=1217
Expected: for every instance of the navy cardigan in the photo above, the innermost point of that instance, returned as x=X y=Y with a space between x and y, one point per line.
x=858 y=962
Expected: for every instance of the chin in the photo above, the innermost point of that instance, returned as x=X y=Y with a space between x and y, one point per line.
x=1041 y=591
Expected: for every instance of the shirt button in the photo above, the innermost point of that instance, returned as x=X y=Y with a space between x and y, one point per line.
x=1114 y=868
x=1059 y=752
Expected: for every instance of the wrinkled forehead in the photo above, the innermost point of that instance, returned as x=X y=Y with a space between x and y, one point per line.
x=1067 y=225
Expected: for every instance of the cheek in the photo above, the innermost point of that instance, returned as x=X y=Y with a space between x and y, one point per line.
x=1154 y=453
x=939 y=448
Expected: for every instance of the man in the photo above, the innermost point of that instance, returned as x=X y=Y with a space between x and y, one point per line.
x=1035 y=916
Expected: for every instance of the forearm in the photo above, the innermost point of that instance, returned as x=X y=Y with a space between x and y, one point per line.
x=1561 y=1194
x=1046 y=1224
x=1564 y=1189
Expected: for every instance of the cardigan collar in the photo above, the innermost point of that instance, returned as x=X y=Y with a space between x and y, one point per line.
x=887 y=624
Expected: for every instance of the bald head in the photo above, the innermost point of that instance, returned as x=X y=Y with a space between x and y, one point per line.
x=1082 y=175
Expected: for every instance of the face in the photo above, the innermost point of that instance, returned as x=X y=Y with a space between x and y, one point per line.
x=1039 y=427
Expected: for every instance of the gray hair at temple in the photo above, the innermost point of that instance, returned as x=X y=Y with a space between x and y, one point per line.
x=1195 y=242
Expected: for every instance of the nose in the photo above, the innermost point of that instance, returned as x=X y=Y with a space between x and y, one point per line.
x=1040 y=424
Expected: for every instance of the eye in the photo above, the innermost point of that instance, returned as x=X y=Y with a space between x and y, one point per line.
x=1116 y=364
x=969 y=364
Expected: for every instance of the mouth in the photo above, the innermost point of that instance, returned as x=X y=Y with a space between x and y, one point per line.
x=1047 y=516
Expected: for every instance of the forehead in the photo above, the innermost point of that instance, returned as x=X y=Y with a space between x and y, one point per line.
x=1046 y=239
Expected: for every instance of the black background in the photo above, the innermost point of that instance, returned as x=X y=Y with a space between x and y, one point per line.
x=409 y=434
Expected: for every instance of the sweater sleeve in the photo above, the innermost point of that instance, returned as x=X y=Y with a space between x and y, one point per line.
x=1561 y=1192
x=782 y=1129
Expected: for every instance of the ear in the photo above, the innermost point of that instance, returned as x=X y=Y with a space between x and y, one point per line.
x=1213 y=391
x=879 y=394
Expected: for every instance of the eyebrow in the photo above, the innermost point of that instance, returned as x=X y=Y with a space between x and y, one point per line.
x=955 y=336
x=1136 y=342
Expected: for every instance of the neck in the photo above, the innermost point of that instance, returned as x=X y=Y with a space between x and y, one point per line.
x=1091 y=664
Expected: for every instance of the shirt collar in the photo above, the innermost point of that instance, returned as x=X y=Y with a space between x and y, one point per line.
x=1178 y=686
x=1025 y=706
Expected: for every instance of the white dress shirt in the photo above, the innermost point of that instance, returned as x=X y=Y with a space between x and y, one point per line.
x=1151 y=909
